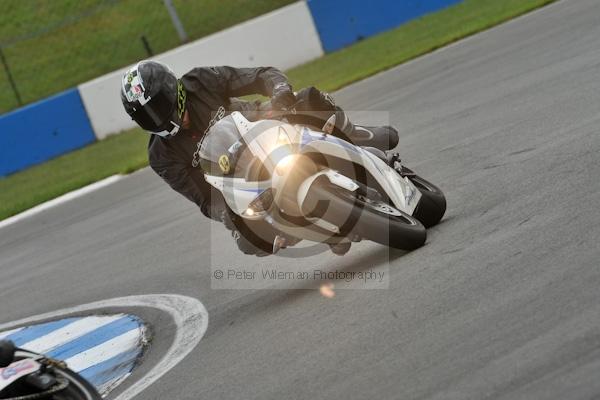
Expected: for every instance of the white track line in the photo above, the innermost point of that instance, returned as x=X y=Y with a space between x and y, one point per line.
x=68 y=333
x=61 y=199
x=113 y=383
x=189 y=315
x=105 y=351
x=7 y=333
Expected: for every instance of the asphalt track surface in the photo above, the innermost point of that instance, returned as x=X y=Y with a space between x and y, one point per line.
x=503 y=302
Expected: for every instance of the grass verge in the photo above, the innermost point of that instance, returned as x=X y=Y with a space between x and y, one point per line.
x=54 y=45
x=127 y=152
x=117 y=154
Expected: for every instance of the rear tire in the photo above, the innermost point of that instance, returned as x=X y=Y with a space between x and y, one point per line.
x=357 y=215
x=432 y=205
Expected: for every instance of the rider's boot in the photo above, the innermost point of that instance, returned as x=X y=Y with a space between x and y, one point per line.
x=381 y=137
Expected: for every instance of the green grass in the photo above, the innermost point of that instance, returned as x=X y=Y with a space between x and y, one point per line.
x=127 y=152
x=52 y=45
x=415 y=38
x=119 y=154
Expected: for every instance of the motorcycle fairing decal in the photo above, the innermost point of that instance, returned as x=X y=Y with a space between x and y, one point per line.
x=219 y=114
x=16 y=371
x=410 y=191
x=224 y=163
x=252 y=190
x=308 y=137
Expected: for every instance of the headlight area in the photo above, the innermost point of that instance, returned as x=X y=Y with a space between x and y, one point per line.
x=285 y=164
x=259 y=206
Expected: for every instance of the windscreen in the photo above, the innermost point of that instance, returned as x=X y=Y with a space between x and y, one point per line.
x=223 y=151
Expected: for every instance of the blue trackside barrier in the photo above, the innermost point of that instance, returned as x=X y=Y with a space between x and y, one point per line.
x=43 y=130
x=343 y=22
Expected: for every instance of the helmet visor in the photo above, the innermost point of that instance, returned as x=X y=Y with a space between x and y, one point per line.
x=154 y=115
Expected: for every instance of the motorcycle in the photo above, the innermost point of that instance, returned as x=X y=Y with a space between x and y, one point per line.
x=309 y=184
x=25 y=375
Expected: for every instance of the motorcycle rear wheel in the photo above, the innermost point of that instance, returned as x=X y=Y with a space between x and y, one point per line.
x=432 y=205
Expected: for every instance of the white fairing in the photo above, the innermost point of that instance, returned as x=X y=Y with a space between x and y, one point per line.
x=271 y=141
x=334 y=177
x=238 y=193
x=401 y=191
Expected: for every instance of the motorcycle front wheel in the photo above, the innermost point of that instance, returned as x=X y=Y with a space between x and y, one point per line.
x=370 y=219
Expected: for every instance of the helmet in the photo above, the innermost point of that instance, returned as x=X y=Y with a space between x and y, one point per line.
x=154 y=98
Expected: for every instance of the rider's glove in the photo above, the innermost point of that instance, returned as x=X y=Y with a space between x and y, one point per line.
x=283 y=97
x=245 y=246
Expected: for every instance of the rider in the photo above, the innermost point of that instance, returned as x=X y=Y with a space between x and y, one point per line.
x=178 y=113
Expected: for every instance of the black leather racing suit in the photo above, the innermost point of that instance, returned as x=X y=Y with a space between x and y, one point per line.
x=210 y=95
x=208 y=98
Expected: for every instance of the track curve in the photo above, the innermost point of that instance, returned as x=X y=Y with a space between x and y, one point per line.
x=501 y=303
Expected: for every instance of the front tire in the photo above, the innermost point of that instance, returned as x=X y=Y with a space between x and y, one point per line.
x=367 y=218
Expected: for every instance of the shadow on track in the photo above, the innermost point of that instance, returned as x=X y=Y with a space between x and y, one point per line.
x=268 y=300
